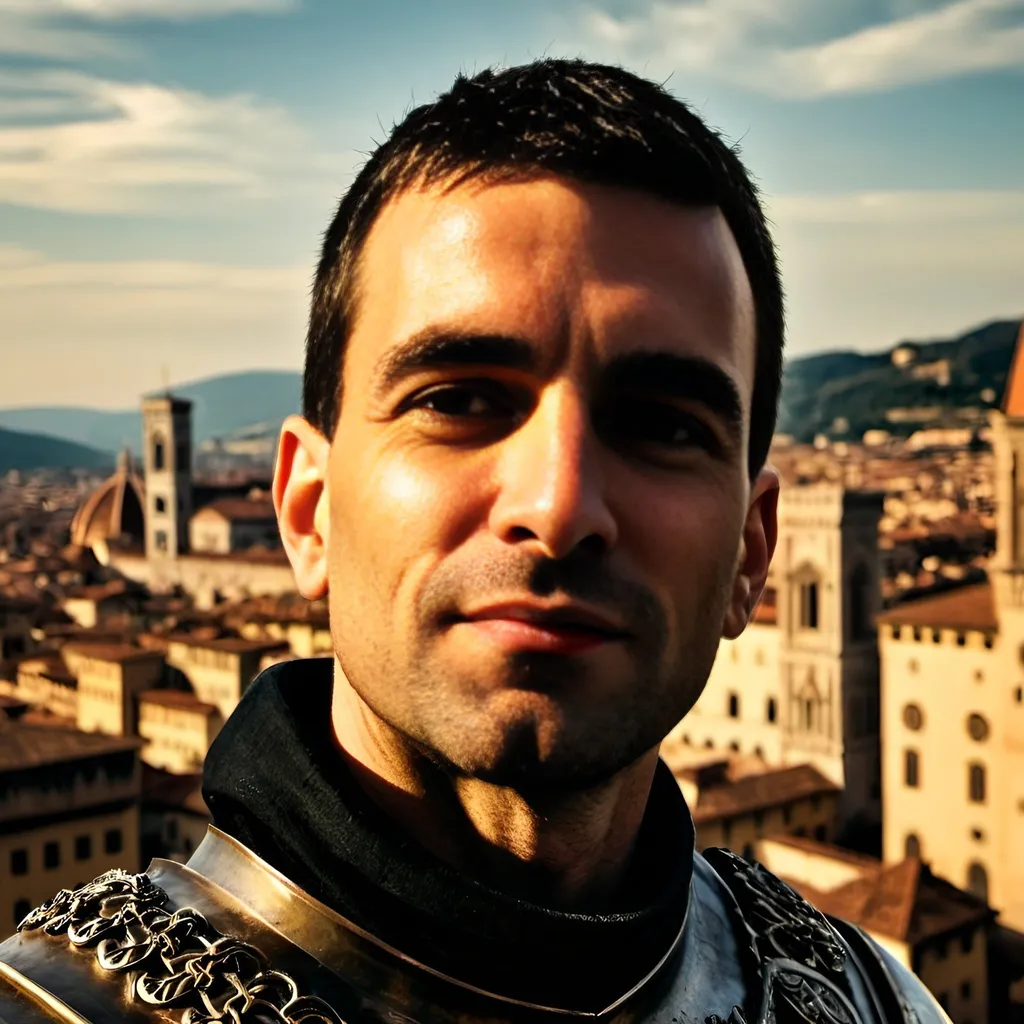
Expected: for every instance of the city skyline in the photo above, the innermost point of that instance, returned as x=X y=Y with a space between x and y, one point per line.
x=167 y=168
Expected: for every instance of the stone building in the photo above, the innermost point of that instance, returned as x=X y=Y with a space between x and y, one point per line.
x=69 y=810
x=178 y=729
x=953 y=705
x=800 y=684
x=167 y=529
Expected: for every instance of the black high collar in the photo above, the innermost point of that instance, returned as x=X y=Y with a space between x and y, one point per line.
x=275 y=781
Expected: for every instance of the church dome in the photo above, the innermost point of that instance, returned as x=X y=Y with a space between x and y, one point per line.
x=114 y=511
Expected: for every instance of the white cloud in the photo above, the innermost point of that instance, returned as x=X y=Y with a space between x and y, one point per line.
x=131 y=146
x=61 y=29
x=866 y=269
x=763 y=45
x=99 y=332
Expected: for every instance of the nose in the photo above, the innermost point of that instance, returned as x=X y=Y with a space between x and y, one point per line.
x=551 y=491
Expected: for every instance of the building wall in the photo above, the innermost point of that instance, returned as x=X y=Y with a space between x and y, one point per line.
x=949 y=681
x=37 y=688
x=747 y=668
x=40 y=882
x=811 y=817
x=207 y=578
x=217 y=677
x=956 y=972
x=177 y=738
x=209 y=531
x=107 y=692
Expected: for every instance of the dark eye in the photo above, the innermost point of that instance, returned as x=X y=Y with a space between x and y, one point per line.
x=655 y=425
x=465 y=400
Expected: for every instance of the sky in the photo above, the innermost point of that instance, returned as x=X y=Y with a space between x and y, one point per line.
x=167 y=167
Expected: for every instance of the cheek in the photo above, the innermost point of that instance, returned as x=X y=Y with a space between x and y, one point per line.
x=400 y=513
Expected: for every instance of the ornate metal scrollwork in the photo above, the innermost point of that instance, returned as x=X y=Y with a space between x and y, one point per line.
x=175 y=960
x=802 y=961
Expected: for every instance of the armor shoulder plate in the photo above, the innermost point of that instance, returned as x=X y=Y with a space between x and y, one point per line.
x=807 y=967
x=127 y=954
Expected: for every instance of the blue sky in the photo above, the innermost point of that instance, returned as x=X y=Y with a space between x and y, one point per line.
x=167 y=166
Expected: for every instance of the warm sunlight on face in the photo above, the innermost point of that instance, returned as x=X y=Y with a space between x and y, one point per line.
x=539 y=511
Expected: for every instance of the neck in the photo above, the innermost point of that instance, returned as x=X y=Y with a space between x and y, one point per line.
x=568 y=851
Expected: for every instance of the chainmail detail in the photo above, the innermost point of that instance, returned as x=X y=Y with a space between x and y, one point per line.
x=175 y=960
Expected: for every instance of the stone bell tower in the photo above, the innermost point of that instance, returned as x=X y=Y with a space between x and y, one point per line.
x=167 y=447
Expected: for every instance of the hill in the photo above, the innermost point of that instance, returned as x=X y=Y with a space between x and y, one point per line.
x=819 y=389
x=222 y=406
x=37 y=451
x=243 y=411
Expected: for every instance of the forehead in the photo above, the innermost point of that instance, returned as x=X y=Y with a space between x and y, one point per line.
x=555 y=262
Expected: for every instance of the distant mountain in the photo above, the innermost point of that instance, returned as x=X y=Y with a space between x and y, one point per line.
x=222 y=406
x=861 y=389
x=243 y=411
x=36 y=451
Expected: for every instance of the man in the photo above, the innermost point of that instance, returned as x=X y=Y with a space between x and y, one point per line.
x=542 y=372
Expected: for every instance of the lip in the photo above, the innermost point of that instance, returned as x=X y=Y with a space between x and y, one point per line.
x=561 y=629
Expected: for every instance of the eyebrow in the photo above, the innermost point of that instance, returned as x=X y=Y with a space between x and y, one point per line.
x=687 y=378
x=657 y=374
x=434 y=348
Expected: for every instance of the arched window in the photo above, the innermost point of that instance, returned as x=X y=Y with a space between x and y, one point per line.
x=976 y=783
x=159 y=452
x=977 y=881
x=912 y=846
x=772 y=711
x=911 y=769
x=734 y=705
x=159 y=504
x=809 y=604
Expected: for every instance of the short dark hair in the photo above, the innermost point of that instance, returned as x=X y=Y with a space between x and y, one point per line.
x=589 y=122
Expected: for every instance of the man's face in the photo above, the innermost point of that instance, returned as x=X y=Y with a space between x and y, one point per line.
x=538 y=486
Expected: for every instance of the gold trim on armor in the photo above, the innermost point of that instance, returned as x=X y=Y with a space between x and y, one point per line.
x=49 y=1002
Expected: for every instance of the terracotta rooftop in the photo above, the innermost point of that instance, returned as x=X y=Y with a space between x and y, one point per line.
x=177 y=699
x=229 y=644
x=970 y=607
x=903 y=901
x=760 y=792
x=241 y=509
x=116 y=653
x=31 y=746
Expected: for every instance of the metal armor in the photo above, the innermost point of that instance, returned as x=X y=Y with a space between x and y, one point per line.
x=227 y=938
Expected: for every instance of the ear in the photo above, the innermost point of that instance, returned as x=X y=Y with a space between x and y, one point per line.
x=757 y=546
x=301 y=501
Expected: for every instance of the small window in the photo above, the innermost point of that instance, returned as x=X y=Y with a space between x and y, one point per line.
x=936 y=636
x=159 y=453
x=709 y=743
x=734 y=747
x=759 y=752
x=977 y=835
x=83 y=847
x=896 y=632
x=911 y=769
x=159 y=504
x=977 y=728
x=977 y=881
x=821 y=833
x=989 y=642
x=976 y=783
x=772 y=710
x=51 y=856
x=21 y=910
x=913 y=667
x=912 y=846
x=113 y=841
x=19 y=863
x=965 y=990
x=961 y=639
x=161 y=540
x=913 y=719
x=734 y=705
x=967 y=941
x=979 y=676
x=809 y=605
x=686 y=739
x=917 y=634
x=1018 y=695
